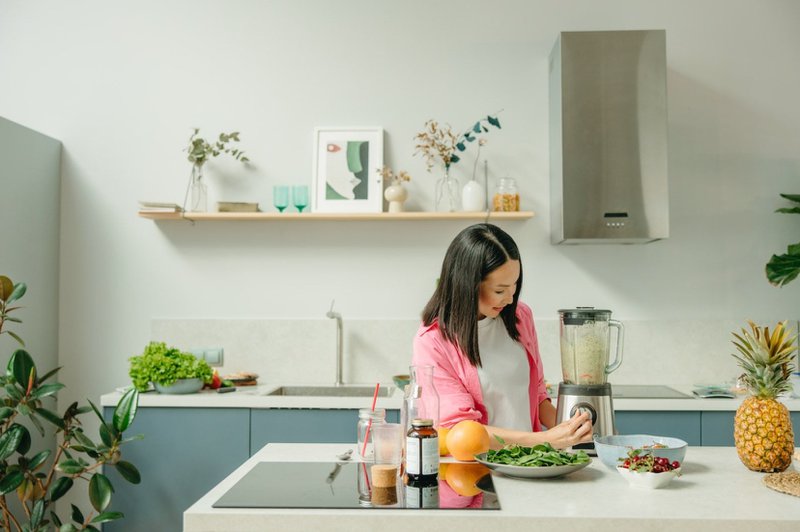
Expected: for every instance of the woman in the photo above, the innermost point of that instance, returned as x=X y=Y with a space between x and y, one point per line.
x=482 y=344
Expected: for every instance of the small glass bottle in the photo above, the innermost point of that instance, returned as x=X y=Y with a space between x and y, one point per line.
x=506 y=196
x=422 y=451
x=368 y=418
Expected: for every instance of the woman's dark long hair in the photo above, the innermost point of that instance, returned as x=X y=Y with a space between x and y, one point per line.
x=473 y=254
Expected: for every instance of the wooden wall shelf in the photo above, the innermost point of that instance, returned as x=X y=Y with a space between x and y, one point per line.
x=327 y=216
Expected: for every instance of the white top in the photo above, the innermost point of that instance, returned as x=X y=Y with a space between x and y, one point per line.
x=708 y=497
x=504 y=376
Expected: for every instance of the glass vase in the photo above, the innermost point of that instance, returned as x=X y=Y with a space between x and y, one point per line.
x=447 y=194
x=198 y=191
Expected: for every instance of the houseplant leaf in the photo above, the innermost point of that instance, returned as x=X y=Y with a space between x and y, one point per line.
x=46 y=390
x=61 y=486
x=782 y=269
x=105 y=517
x=20 y=366
x=10 y=440
x=126 y=410
x=100 y=491
x=129 y=472
x=11 y=481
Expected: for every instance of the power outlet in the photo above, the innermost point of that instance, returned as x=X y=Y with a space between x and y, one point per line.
x=212 y=355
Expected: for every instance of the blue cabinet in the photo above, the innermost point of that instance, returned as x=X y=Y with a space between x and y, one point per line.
x=718 y=428
x=677 y=424
x=185 y=452
x=288 y=425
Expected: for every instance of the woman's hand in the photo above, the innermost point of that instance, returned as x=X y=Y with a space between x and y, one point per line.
x=576 y=430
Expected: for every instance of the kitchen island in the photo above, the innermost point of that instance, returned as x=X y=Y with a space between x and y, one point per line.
x=716 y=492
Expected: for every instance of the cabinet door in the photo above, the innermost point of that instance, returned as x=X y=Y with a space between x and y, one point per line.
x=185 y=452
x=284 y=425
x=718 y=428
x=676 y=424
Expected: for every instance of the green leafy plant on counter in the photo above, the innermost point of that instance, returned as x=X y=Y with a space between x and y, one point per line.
x=782 y=269
x=165 y=365
x=39 y=479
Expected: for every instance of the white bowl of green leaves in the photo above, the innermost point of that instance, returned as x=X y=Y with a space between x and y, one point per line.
x=539 y=461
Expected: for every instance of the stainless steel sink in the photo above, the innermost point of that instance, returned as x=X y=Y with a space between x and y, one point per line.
x=330 y=391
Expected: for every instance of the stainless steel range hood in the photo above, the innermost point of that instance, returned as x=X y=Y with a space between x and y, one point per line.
x=608 y=137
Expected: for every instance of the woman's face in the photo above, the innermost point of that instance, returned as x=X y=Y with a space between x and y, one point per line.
x=497 y=289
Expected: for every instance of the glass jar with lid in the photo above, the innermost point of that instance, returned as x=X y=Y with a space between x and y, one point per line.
x=506 y=196
x=368 y=418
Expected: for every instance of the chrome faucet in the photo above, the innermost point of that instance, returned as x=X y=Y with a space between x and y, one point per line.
x=339 y=342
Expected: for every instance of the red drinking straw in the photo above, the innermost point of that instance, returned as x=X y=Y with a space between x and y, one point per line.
x=369 y=423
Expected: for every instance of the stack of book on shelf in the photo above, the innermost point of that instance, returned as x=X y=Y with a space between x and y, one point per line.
x=237 y=206
x=156 y=206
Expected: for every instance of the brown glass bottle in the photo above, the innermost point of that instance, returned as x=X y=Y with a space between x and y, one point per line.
x=422 y=451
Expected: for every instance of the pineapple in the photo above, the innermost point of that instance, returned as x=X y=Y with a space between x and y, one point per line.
x=762 y=426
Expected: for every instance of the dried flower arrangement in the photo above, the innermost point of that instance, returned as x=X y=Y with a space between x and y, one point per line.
x=390 y=177
x=438 y=143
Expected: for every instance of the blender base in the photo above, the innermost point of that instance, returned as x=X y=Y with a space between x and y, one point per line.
x=592 y=398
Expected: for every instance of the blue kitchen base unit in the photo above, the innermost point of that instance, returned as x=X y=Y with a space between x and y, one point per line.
x=718 y=428
x=676 y=424
x=185 y=452
x=289 y=425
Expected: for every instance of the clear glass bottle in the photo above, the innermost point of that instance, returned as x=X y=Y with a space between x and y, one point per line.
x=420 y=400
x=368 y=418
x=447 y=194
x=198 y=190
x=506 y=196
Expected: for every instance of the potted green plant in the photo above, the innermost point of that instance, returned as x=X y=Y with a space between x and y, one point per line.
x=200 y=151
x=169 y=369
x=39 y=479
x=782 y=269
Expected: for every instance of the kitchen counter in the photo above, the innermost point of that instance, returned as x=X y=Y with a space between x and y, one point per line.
x=255 y=397
x=716 y=492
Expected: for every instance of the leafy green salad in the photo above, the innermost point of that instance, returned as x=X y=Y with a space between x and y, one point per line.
x=164 y=365
x=543 y=455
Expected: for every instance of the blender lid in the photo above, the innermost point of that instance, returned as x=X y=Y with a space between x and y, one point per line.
x=581 y=315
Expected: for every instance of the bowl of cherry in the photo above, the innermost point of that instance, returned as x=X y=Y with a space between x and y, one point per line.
x=644 y=470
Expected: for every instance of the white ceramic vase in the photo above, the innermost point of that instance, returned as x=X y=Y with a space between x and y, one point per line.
x=473 y=196
x=396 y=194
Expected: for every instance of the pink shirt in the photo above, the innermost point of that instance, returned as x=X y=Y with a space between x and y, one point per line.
x=457 y=381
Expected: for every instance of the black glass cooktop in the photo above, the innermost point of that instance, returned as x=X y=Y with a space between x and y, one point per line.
x=349 y=485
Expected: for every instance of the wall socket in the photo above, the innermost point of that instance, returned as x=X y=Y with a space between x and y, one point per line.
x=212 y=355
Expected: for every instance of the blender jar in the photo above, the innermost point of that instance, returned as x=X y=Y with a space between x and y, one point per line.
x=586 y=343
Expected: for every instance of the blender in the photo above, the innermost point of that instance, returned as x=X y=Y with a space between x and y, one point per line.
x=585 y=347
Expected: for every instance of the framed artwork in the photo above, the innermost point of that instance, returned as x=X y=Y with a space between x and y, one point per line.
x=346 y=170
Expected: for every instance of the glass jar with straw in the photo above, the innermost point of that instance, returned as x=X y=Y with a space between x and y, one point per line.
x=366 y=417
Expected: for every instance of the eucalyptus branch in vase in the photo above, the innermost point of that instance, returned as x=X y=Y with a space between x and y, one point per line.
x=200 y=151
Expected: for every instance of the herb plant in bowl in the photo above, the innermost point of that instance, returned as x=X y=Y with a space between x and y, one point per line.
x=169 y=369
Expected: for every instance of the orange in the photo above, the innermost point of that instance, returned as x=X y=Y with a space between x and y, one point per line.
x=463 y=477
x=443 y=441
x=466 y=439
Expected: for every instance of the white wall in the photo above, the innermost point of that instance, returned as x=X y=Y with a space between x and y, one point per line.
x=122 y=84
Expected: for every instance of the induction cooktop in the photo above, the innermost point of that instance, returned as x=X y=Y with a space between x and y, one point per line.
x=348 y=485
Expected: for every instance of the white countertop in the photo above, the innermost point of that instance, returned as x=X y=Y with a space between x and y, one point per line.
x=256 y=397
x=715 y=492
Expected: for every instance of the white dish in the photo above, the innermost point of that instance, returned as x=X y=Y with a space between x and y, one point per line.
x=648 y=480
x=531 y=471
